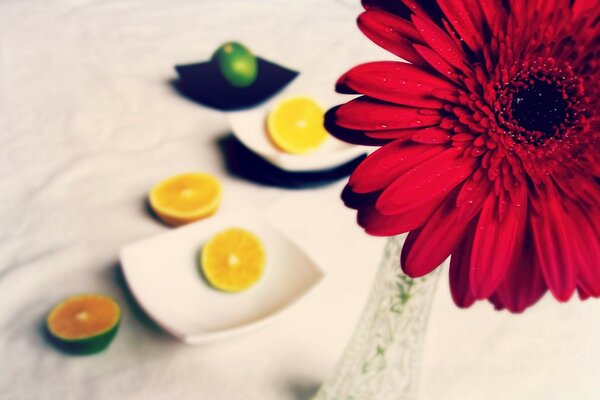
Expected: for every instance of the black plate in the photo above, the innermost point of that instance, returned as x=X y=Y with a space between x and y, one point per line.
x=204 y=83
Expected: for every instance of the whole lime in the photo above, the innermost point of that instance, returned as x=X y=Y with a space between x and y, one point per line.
x=237 y=64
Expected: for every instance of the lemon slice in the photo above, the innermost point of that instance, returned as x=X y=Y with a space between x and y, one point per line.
x=295 y=125
x=84 y=324
x=185 y=198
x=233 y=260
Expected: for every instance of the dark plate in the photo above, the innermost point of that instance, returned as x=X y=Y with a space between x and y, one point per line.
x=204 y=83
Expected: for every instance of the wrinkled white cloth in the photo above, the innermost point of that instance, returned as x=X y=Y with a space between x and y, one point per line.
x=89 y=122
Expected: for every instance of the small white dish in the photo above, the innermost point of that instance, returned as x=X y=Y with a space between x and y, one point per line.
x=249 y=127
x=163 y=275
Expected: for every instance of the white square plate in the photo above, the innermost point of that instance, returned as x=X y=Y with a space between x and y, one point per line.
x=249 y=127
x=163 y=275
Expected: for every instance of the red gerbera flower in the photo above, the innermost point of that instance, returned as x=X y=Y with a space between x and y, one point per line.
x=490 y=143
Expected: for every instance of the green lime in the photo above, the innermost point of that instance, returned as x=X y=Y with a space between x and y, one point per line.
x=237 y=64
x=84 y=324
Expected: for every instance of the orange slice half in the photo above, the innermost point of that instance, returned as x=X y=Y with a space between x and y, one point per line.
x=185 y=198
x=84 y=324
x=233 y=260
x=295 y=125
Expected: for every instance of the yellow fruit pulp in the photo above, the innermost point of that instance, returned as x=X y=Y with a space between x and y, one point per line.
x=83 y=316
x=233 y=260
x=185 y=198
x=295 y=125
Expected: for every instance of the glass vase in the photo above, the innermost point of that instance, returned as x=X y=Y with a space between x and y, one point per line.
x=382 y=360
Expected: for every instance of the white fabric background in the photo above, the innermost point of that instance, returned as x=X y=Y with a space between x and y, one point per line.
x=88 y=123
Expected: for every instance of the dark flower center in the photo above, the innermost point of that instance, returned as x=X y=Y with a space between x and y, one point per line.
x=539 y=107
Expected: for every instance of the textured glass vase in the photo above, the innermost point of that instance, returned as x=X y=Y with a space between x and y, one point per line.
x=382 y=360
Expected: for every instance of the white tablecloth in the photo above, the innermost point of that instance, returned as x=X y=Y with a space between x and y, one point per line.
x=89 y=122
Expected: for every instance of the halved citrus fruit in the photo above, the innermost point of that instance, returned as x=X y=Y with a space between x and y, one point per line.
x=295 y=125
x=185 y=198
x=84 y=324
x=233 y=260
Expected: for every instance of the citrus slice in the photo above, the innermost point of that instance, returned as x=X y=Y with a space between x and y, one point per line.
x=295 y=125
x=185 y=198
x=84 y=324
x=233 y=260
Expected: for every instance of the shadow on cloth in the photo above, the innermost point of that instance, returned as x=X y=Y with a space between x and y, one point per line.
x=243 y=163
x=302 y=390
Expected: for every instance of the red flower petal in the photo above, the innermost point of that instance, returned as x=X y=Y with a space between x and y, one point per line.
x=553 y=245
x=583 y=294
x=371 y=115
x=403 y=134
x=427 y=247
x=465 y=16
x=498 y=238
x=351 y=135
x=396 y=82
x=438 y=175
x=523 y=284
x=427 y=9
x=382 y=167
x=459 y=271
x=439 y=41
x=394 y=34
x=585 y=231
x=432 y=135
x=583 y=6
x=471 y=196
x=494 y=14
x=582 y=188
x=437 y=62
x=377 y=224
x=497 y=302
